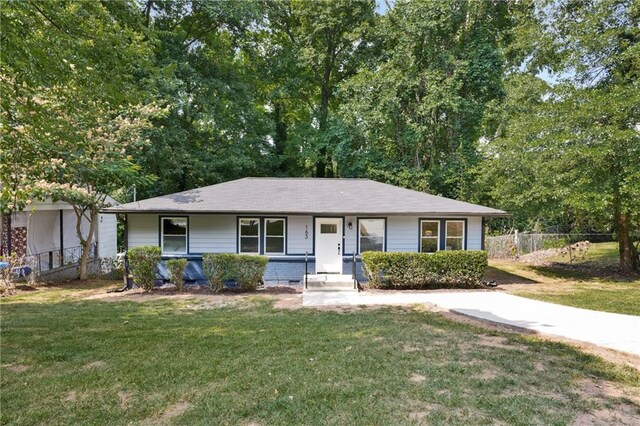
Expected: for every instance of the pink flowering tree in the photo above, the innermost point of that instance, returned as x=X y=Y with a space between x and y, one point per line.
x=72 y=149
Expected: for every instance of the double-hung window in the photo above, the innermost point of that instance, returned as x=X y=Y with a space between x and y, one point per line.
x=429 y=236
x=371 y=234
x=454 y=235
x=249 y=235
x=274 y=236
x=174 y=235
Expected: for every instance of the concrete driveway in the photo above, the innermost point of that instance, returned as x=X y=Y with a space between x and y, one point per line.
x=614 y=331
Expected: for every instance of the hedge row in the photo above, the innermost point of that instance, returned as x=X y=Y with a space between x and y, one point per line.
x=246 y=269
x=443 y=269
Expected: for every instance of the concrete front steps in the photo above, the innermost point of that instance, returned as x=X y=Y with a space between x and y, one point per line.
x=330 y=282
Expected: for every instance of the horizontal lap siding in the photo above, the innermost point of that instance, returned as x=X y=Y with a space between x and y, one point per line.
x=217 y=233
x=142 y=230
x=350 y=235
x=107 y=235
x=212 y=233
x=402 y=233
x=297 y=241
x=474 y=236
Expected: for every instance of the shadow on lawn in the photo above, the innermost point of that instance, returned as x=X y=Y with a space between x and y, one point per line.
x=503 y=277
x=585 y=271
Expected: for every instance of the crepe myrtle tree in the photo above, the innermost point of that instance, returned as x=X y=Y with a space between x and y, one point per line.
x=57 y=145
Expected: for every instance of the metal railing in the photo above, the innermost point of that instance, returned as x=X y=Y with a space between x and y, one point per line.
x=353 y=272
x=48 y=260
x=306 y=268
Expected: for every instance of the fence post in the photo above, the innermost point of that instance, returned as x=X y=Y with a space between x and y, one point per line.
x=517 y=242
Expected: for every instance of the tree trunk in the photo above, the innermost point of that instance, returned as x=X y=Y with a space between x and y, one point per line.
x=325 y=95
x=85 y=243
x=628 y=257
x=280 y=137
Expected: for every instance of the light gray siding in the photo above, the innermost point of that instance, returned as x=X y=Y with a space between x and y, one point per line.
x=350 y=235
x=107 y=235
x=299 y=234
x=212 y=233
x=402 y=233
x=217 y=233
x=142 y=230
x=474 y=233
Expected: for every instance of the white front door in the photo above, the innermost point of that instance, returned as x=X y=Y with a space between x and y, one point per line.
x=329 y=245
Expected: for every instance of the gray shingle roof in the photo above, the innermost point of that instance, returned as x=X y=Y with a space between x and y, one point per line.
x=305 y=196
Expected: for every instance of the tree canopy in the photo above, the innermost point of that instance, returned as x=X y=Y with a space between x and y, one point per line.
x=529 y=106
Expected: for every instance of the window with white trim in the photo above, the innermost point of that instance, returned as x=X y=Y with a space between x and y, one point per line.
x=371 y=234
x=173 y=234
x=429 y=236
x=274 y=236
x=454 y=235
x=249 y=235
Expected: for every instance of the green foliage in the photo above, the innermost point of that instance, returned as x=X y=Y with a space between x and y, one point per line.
x=72 y=111
x=567 y=148
x=176 y=269
x=419 y=104
x=557 y=242
x=143 y=264
x=443 y=269
x=246 y=269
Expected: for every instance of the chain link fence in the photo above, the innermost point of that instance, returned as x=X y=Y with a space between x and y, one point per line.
x=518 y=244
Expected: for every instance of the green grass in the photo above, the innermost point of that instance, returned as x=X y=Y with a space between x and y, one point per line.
x=590 y=283
x=622 y=299
x=71 y=361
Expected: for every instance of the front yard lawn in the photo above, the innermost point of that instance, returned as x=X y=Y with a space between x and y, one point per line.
x=591 y=283
x=69 y=359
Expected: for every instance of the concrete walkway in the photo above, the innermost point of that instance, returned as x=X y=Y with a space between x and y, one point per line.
x=614 y=331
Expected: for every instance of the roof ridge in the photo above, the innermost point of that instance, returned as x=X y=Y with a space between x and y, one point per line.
x=301 y=178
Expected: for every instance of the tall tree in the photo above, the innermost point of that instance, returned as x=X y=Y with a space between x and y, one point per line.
x=331 y=38
x=418 y=107
x=573 y=146
x=69 y=74
x=216 y=129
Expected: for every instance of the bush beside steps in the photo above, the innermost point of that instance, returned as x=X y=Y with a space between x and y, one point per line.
x=443 y=269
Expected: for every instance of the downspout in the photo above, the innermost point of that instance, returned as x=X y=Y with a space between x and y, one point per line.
x=61 y=237
x=9 y=234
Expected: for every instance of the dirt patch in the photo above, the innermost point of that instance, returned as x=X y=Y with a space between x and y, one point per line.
x=169 y=413
x=602 y=389
x=417 y=378
x=290 y=302
x=409 y=348
x=499 y=342
x=95 y=365
x=73 y=396
x=488 y=374
x=124 y=398
x=613 y=404
x=16 y=368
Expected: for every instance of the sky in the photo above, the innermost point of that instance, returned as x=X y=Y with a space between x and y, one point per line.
x=381 y=6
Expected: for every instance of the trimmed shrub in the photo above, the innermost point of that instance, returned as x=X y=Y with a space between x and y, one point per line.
x=143 y=264
x=246 y=269
x=443 y=269
x=176 y=269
